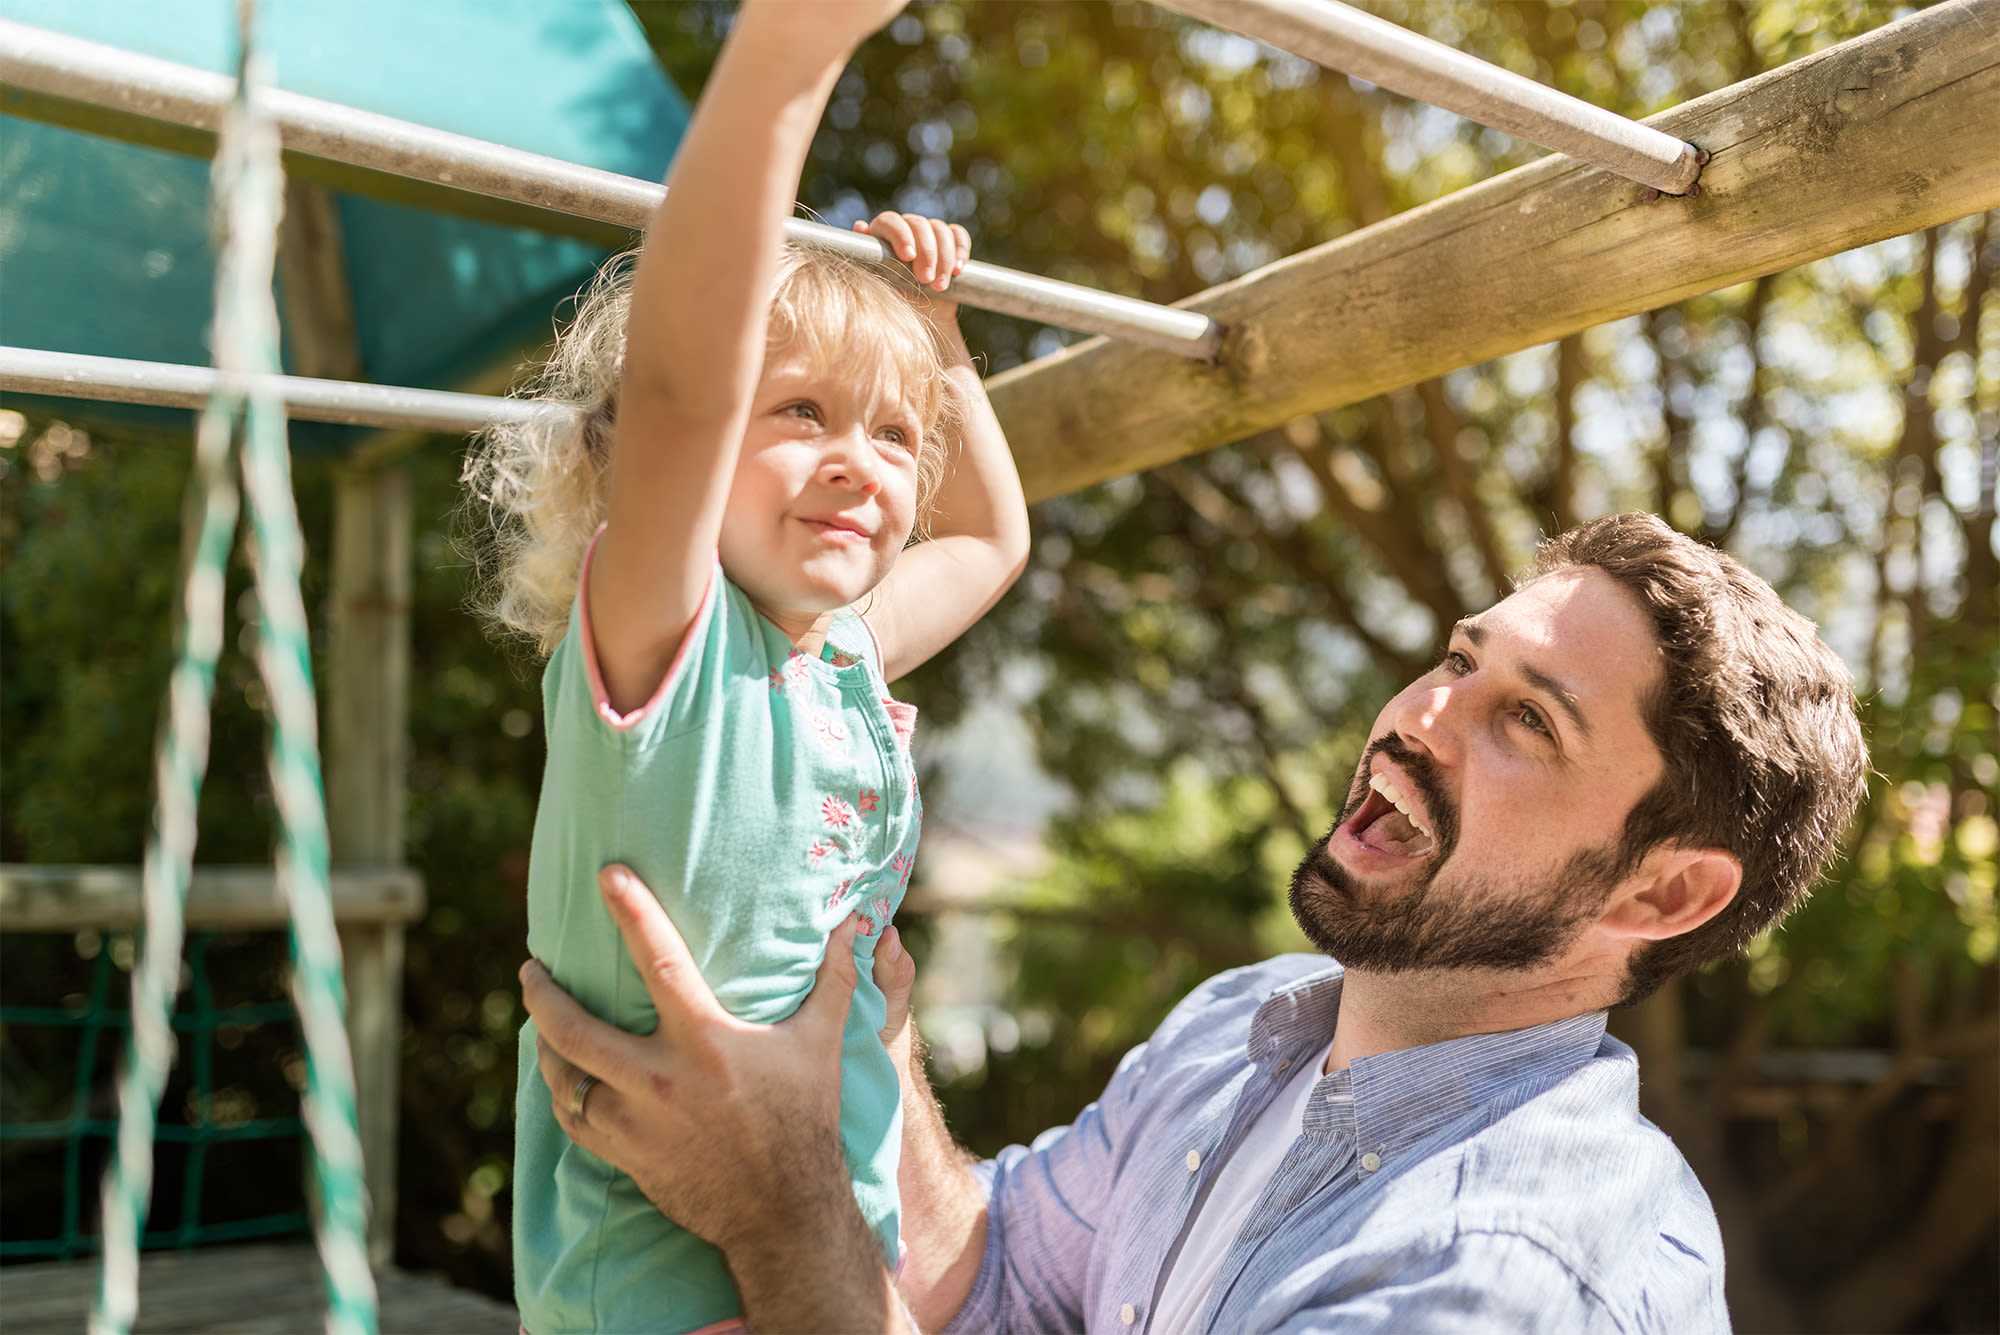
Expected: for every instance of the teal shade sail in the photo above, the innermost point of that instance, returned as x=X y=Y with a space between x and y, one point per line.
x=104 y=245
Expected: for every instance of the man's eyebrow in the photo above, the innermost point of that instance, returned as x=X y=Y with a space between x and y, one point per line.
x=1537 y=678
x=1563 y=695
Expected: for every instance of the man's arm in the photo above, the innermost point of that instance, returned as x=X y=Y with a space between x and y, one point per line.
x=1486 y=1282
x=944 y=1204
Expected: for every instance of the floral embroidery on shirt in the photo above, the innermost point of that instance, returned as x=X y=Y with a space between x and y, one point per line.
x=818 y=852
x=840 y=658
x=863 y=926
x=903 y=865
x=881 y=908
x=835 y=811
x=827 y=727
x=869 y=799
x=839 y=892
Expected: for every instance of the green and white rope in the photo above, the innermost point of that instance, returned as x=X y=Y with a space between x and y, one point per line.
x=248 y=204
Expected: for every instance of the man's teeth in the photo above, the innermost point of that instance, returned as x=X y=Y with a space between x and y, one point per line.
x=1380 y=783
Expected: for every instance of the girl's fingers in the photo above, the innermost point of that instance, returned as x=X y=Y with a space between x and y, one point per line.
x=935 y=250
x=891 y=227
x=924 y=266
x=947 y=247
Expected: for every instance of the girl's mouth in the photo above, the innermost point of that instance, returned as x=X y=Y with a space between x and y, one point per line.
x=835 y=532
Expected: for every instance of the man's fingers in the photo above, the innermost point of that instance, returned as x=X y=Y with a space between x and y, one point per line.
x=680 y=994
x=601 y=1125
x=577 y=1035
x=896 y=975
x=833 y=988
x=558 y=1072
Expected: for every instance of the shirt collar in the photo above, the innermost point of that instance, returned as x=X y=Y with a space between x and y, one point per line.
x=1399 y=1097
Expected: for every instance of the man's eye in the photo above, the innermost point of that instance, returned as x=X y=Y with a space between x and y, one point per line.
x=1456 y=663
x=1532 y=719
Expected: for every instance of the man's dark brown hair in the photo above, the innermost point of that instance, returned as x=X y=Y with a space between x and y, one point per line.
x=1755 y=720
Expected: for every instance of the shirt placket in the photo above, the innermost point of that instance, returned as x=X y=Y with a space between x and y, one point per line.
x=858 y=695
x=1200 y=1163
x=1313 y=1164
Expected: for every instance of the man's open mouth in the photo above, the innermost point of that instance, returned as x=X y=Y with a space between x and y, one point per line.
x=1388 y=822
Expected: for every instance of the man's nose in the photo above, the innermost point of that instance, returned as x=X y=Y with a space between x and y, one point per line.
x=1434 y=719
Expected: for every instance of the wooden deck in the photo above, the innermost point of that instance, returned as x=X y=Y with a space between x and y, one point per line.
x=269 y=1289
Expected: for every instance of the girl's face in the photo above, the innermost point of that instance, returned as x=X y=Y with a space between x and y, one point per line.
x=825 y=493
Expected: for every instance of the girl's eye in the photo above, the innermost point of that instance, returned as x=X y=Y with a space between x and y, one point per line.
x=895 y=435
x=804 y=408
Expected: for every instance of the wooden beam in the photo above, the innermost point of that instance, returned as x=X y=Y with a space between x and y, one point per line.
x=52 y=898
x=1885 y=134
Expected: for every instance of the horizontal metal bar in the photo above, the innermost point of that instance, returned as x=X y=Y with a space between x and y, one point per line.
x=55 y=66
x=48 y=898
x=76 y=375
x=1346 y=39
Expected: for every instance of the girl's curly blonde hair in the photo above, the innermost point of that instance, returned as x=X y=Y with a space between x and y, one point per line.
x=535 y=488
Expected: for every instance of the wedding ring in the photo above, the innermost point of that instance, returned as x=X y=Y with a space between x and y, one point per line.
x=580 y=1095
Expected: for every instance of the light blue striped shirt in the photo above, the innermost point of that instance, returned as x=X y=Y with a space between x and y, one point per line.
x=1501 y=1182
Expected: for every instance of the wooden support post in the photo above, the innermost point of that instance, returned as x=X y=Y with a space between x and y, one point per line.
x=1885 y=134
x=367 y=747
x=367 y=690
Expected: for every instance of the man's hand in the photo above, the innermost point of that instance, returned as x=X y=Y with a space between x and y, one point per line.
x=896 y=975
x=730 y=1129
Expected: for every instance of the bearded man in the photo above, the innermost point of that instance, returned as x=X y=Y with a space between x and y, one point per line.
x=1625 y=769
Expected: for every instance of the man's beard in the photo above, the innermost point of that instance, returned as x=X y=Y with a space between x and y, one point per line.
x=1472 y=923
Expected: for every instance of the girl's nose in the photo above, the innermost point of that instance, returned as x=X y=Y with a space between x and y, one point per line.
x=850 y=463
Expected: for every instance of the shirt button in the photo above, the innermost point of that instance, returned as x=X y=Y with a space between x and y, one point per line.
x=1370 y=1162
x=1193 y=1160
x=1127 y=1314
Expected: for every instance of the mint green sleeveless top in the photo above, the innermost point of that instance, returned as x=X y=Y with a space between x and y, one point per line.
x=765 y=796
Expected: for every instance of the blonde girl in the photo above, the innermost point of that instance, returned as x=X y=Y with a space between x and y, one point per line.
x=756 y=431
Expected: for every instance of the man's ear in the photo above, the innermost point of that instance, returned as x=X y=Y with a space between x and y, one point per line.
x=1674 y=891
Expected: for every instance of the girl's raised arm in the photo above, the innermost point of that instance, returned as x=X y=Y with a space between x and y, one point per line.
x=694 y=340
x=978 y=543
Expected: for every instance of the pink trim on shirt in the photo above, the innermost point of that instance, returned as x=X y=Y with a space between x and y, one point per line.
x=601 y=697
x=902 y=717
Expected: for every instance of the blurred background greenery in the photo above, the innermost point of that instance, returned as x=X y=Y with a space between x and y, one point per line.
x=1127 y=757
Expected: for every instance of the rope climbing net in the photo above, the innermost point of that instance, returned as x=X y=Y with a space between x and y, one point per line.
x=241 y=428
